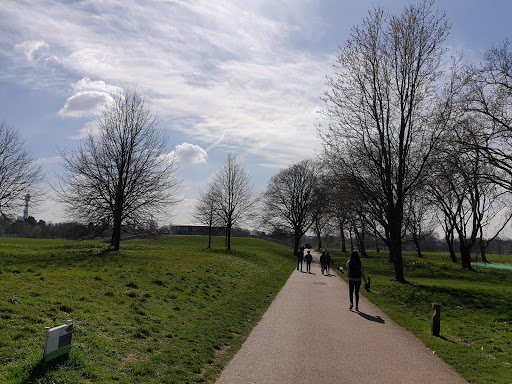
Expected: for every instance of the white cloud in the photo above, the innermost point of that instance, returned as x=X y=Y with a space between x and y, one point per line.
x=83 y=104
x=190 y=154
x=90 y=98
x=87 y=84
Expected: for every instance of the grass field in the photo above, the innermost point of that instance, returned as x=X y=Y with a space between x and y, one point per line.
x=169 y=310
x=159 y=311
x=476 y=314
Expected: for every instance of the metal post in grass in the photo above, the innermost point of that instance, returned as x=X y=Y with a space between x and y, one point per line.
x=436 y=319
x=58 y=341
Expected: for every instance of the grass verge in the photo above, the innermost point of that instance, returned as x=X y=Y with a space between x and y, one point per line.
x=476 y=314
x=158 y=311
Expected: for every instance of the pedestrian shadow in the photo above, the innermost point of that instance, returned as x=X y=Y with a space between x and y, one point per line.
x=376 y=319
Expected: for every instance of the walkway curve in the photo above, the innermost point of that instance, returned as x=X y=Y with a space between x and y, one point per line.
x=309 y=335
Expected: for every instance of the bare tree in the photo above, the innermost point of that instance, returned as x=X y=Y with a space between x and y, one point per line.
x=462 y=190
x=419 y=218
x=122 y=175
x=381 y=109
x=236 y=199
x=290 y=199
x=339 y=200
x=19 y=173
x=321 y=207
x=489 y=96
x=206 y=210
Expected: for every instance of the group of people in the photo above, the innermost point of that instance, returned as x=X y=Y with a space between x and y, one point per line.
x=325 y=261
x=308 y=258
x=354 y=266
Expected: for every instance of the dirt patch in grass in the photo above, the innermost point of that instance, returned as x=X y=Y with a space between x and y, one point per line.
x=463 y=341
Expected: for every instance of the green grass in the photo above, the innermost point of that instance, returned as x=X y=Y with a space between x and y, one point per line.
x=158 y=311
x=476 y=313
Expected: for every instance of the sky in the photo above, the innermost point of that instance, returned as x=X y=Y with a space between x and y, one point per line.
x=221 y=76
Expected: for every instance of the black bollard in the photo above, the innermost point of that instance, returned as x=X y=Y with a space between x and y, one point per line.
x=436 y=320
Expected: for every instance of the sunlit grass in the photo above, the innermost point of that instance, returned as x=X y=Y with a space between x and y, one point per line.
x=476 y=314
x=166 y=310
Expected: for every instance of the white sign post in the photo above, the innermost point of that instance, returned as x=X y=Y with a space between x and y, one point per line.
x=58 y=341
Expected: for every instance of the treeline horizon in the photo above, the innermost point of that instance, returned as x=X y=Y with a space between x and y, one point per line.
x=73 y=230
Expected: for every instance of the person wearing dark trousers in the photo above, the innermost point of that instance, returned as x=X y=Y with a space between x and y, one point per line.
x=328 y=262
x=300 y=258
x=308 y=258
x=323 y=260
x=355 y=273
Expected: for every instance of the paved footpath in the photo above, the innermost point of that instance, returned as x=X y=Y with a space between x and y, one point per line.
x=309 y=335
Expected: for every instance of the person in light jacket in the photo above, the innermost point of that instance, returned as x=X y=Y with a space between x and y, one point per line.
x=355 y=273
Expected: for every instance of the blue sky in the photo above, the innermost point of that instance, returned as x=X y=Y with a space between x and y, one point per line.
x=222 y=76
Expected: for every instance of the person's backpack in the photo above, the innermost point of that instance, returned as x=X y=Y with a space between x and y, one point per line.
x=354 y=271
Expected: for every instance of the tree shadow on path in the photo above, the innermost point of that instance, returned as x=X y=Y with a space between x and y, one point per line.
x=376 y=319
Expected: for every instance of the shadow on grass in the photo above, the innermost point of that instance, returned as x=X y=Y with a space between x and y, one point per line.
x=42 y=368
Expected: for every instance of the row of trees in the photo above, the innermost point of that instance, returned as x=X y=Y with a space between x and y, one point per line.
x=410 y=143
x=414 y=138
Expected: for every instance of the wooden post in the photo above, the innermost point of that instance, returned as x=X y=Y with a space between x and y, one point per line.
x=436 y=320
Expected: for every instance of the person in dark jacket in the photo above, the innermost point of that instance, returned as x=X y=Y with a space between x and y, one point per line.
x=323 y=260
x=300 y=258
x=328 y=262
x=308 y=258
x=355 y=273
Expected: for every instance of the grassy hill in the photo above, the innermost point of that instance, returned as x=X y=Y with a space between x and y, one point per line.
x=159 y=311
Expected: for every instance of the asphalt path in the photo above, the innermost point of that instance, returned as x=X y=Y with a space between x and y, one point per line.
x=309 y=335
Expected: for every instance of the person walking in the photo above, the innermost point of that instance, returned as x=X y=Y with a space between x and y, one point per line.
x=323 y=260
x=300 y=258
x=355 y=272
x=308 y=258
x=328 y=262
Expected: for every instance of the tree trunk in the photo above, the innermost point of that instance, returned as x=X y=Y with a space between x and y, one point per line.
x=210 y=236
x=228 y=234
x=318 y=234
x=297 y=237
x=416 y=241
x=362 y=247
x=342 y=236
x=482 y=250
x=360 y=238
x=395 y=252
x=449 y=241
x=116 y=233
x=465 y=256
